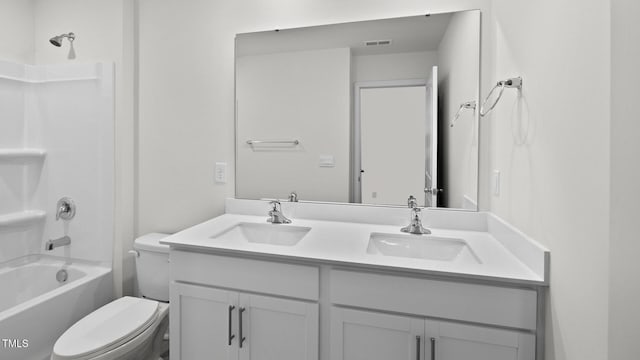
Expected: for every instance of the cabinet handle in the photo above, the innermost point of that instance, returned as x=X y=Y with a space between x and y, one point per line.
x=242 y=338
x=433 y=348
x=417 y=347
x=231 y=336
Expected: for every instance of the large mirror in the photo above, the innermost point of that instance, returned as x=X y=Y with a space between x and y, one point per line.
x=364 y=112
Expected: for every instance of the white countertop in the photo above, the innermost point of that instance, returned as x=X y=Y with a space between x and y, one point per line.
x=345 y=243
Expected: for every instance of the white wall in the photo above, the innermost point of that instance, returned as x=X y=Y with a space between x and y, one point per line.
x=104 y=32
x=186 y=91
x=413 y=65
x=624 y=295
x=555 y=183
x=16 y=30
x=459 y=74
x=302 y=95
x=551 y=145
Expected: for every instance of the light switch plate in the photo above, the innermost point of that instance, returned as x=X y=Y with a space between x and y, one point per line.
x=327 y=161
x=221 y=172
x=496 y=182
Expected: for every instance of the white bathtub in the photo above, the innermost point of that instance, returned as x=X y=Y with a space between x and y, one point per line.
x=35 y=309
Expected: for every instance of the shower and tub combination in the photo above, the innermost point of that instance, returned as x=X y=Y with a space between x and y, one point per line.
x=56 y=200
x=42 y=296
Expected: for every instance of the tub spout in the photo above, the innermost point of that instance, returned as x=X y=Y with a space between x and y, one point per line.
x=52 y=244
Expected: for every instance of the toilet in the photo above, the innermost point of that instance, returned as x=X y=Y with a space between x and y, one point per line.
x=129 y=327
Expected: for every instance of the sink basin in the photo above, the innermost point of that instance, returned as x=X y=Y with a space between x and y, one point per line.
x=419 y=247
x=273 y=234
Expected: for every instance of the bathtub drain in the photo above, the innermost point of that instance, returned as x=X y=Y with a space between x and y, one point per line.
x=62 y=276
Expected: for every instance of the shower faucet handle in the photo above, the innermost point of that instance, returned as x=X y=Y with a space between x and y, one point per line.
x=65 y=209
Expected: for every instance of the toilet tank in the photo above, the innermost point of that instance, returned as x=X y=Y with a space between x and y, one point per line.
x=152 y=266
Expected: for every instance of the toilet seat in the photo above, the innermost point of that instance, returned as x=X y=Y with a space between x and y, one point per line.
x=107 y=328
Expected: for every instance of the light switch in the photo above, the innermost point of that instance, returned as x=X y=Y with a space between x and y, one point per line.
x=221 y=172
x=327 y=161
x=496 y=182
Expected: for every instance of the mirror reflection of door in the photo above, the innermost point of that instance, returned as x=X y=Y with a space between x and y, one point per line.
x=431 y=142
x=395 y=117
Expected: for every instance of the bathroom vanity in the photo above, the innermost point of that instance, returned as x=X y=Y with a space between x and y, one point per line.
x=341 y=282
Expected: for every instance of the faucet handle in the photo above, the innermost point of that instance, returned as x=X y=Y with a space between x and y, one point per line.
x=66 y=209
x=415 y=211
x=412 y=203
x=274 y=204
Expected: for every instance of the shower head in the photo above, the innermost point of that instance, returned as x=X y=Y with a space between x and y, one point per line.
x=57 y=40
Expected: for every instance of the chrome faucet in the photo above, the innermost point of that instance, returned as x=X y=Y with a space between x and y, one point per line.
x=52 y=244
x=293 y=197
x=415 y=226
x=275 y=214
x=65 y=209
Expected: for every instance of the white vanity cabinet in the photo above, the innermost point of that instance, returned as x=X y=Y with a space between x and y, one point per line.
x=370 y=335
x=367 y=314
x=209 y=321
x=278 y=329
x=201 y=321
x=510 y=315
x=452 y=341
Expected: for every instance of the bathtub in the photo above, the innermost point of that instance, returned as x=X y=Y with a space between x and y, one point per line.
x=36 y=308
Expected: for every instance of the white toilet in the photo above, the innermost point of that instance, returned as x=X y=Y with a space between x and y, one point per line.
x=129 y=327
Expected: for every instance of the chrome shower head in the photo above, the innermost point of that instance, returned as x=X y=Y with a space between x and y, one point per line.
x=57 y=40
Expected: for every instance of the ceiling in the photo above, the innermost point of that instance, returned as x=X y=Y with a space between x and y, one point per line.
x=407 y=34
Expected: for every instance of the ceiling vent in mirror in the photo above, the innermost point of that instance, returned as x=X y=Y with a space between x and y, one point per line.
x=377 y=42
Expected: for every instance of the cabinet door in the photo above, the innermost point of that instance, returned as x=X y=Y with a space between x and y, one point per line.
x=278 y=329
x=200 y=323
x=453 y=341
x=365 y=335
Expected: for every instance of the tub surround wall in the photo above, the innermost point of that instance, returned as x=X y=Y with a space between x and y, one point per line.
x=105 y=31
x=57 y=141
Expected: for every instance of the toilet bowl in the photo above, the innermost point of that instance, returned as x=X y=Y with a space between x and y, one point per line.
x=129 y=327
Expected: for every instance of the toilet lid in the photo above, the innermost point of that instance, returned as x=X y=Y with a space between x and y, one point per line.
x=106 y=328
